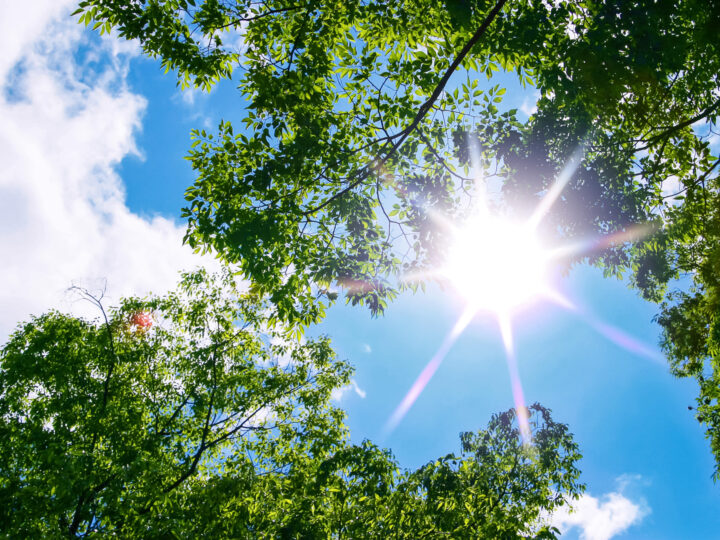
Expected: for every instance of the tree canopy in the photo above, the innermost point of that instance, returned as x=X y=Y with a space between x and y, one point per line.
x=185 y=416
x=363 y=119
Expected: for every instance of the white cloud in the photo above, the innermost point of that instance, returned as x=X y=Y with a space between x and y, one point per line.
x=367 y=348
x=602 y=518
x=21 y=24
x=339 y=393
x=189 y=94
x=68 y=119
x=714 y=141
x=529 y=104
x=671 y=188
x=625 y=481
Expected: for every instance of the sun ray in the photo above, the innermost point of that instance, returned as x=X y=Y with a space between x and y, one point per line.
x=477 y=173
x=624 y=340
x=419 y=276
x=585 y=247
x=621 y=338
x=612 y=333
x=561 y=300
x=556 y=189
x=442 y=220
x=515 y=383
x=427 y=373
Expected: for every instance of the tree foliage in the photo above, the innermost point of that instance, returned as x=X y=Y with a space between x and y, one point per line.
x=350 y=137
x=102 y=424
x=208 y=424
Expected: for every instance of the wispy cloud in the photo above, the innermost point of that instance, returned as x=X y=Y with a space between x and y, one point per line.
x=68 y=119
x=339 y=393
x=367 y=348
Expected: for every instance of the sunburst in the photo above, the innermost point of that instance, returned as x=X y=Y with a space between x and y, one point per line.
x=502 y=266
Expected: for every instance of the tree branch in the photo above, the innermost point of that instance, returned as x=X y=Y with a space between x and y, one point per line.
x=363 y=173
x=699 y=180
x=669 y=131
x=84 y=496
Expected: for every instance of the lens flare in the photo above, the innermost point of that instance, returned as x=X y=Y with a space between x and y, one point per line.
x=515 y=383
x=500 y=266
x=612 y=333
x=427 y=373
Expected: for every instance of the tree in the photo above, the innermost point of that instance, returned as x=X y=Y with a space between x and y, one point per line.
x=209 y=423
x=497 y=487
x=104 y=425
x=473 y=495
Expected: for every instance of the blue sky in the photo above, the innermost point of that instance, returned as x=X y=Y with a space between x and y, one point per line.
x=93 y=138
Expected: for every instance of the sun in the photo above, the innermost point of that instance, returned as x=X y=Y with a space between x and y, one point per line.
x=496 y=264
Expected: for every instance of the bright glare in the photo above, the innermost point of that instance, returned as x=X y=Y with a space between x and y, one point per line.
x=496 y=265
